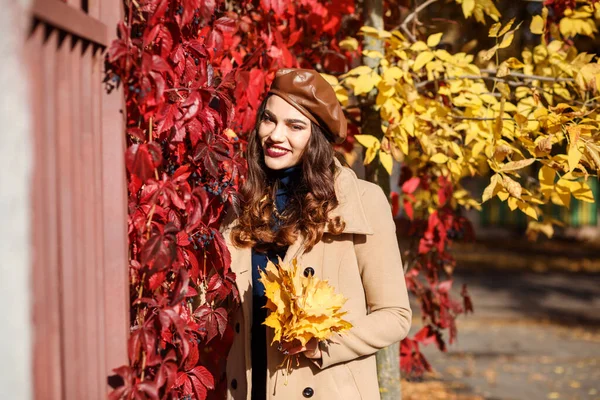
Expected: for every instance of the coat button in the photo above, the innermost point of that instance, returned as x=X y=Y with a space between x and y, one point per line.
x=234 y=384
x=237 y=327
x=309 y=271
x=308 y=392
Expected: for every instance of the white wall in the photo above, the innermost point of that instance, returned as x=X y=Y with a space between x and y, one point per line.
x=15 y=207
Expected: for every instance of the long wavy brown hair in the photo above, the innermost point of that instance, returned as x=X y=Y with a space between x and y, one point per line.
x=309 y=202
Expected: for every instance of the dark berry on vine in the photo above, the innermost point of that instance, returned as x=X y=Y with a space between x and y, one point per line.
x=131 y=88
x=196 y=61
x=137 y=90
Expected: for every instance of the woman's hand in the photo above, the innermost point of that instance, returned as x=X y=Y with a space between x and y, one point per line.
x=311 y=350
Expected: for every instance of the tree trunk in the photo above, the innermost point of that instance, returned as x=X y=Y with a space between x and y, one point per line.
x=388 y=359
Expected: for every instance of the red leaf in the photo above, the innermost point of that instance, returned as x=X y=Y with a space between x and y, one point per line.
x=467 y=303
x=395 y=204
x=426 y=335
x=445 y=286
x=408 y=209
x=199 y=388
x=193 y=357
x=218 y=289
x=215 y=321
x=156 y=280
x=207 y=8
x=411 y=185
x=204 y=376
x=158 y=252
x=226 y=25
x=142 y=159
x=279 y=7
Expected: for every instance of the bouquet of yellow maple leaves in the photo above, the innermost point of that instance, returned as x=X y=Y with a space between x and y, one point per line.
x=301 y=308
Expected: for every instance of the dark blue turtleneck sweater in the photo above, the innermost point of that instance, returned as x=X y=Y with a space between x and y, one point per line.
x=287 y=180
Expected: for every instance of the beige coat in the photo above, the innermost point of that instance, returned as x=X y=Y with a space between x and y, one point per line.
x=363 y=263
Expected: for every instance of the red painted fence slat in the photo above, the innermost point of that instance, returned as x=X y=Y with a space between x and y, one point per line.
x=80 y=272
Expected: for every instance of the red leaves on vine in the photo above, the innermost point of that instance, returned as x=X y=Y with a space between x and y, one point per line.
x=214 y=321
x=142 y=159
x=182 y=63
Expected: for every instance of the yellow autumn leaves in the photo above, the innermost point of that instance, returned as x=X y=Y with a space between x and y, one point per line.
x=463 y=115
x=301 y=308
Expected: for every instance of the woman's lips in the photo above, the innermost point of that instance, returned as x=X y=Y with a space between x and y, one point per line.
x=275 y=152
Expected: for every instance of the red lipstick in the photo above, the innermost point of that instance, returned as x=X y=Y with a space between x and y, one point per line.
x=276 y=152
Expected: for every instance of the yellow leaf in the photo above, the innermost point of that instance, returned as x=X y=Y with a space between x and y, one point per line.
x=514 y=63
x=369 y=30
x=528 y=209
x=513 y=187
x=515 y=165
x=477 y=147
x=582 y=191
x=467 y=7
x=372 y=54
x=367 y=140
x=537 y=25
x=349 y=43
x=434 y=39
x=422 y=59
x=562 y=194
x=494 y=30
x=387 y=161
x=419 y=46
x=370 y=154
x=503 y=70
x=546 y=176
x=507 y=27
x=521 y=120
x=574 y=157
x=545 y=227
x=487 y=55
x=439 y=158
x=361 y=70
x=507 y=40
x=365 y=83
x=512 y=203
x=503 y=195
x=332 y=80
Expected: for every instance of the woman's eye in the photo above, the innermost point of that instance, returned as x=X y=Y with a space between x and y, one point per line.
x=297 y=127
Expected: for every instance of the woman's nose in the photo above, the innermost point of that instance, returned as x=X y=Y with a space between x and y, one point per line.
x=278 y=133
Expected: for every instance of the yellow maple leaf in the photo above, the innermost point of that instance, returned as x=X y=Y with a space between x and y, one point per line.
x=301 y=308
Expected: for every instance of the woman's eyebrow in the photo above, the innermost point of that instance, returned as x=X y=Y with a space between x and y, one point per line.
x=295 y=121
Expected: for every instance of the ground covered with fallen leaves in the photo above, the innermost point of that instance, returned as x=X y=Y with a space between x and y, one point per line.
x=535 y=333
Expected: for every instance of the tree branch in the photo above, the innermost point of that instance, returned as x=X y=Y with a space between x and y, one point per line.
x=497 y=79
x=530 y=77
x=483 y=118
x=410 y=17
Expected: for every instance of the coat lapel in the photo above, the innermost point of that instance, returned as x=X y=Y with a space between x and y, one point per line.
x=350 y=207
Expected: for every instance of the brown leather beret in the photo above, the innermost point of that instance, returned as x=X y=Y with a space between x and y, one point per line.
x=313 y=96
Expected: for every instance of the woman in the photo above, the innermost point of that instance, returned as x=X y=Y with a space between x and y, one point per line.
x=299 y=202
